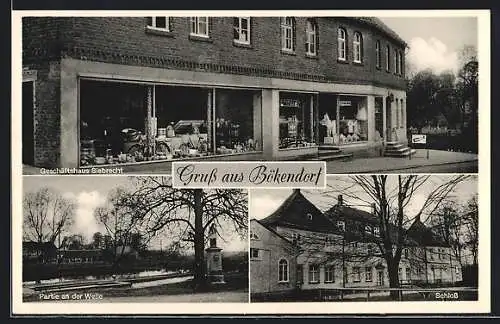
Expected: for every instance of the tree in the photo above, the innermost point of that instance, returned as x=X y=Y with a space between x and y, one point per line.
x=46 y=215
x=392 y=196
x=97 y=240
x=119 y=223
x=186 y=215
x=471 y=224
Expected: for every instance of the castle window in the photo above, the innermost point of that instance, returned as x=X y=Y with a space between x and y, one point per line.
x=341 y=44
x=405 y=253
x=356 y=274
x=329 y=274
x=288 y=34
x=241 y=30
x=199 y=26
x=311 y=37
x=368 y=274
x=376 y=231
x=408 y=273
x=159 y=23
x=313 y=273
x=396 y=65
x=341 y=225
x=358 y=47
x=283 y=270
x=309 y=216
x=253 y=236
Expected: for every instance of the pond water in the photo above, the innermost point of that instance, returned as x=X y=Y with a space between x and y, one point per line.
x=146 y=273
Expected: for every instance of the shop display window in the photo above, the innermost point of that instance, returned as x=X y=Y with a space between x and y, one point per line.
x=343 y=119
x=296 y=120
x=123 y=123
x=234 y=121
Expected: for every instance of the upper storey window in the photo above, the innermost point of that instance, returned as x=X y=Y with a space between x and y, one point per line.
x=311 y=38
x=288 y=34
x=396 y=61
x=341 y=44
x=358 y=47
x=400 y=63
x=159 y=23
x=378 y=55
x=241 y=30
x=388 y=58
x=199 y=26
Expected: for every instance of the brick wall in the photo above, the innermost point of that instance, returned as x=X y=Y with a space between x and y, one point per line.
x=125 y=40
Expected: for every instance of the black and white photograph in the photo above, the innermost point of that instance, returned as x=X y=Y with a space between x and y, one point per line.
x=366 y=94
x=366 y=238
x=132 y=239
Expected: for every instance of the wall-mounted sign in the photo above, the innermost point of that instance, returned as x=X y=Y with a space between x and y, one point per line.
x=419 y=139
x=292 y=103
x=343 y=103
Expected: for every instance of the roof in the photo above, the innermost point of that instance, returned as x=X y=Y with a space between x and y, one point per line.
x=340 y=212
x=272 y=230
x=380 y=25
x=298 y=212
x=424 y=235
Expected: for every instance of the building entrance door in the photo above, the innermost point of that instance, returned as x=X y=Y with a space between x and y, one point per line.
x=28 y=141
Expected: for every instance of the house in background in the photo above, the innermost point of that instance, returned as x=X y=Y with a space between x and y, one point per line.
x=338 y=249
x=36 y=252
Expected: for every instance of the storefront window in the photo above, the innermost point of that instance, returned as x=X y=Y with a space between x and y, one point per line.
x=296 y=120
x=343 y=119
x=235 y=121
x=183 y=122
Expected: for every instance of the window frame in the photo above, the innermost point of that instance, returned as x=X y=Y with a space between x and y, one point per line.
x=283 y=263
x=357 y=47
x=311 y=37
x=284 y=27
x=396 y=65
x=196 y=21
x=341 y=44
x=310 y=272
x=368 y=271
x=239 y=30
x=153 y=26
x=329 y=272
x=252 y=257
x=356 y=274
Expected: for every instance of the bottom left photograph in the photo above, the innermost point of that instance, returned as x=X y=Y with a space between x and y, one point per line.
x=132 y=239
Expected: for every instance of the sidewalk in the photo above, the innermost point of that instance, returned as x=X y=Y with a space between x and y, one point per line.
x=385 y=164
x=356 y=165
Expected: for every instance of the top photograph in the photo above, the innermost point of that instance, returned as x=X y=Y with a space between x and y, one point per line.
x=111 y=95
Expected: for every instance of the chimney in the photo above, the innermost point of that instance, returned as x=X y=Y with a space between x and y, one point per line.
x=340 y=200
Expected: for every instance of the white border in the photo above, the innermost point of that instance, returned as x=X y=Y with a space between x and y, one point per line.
x=481 y=306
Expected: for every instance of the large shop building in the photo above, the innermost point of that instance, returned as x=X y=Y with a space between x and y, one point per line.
x=105 y=90
x=298 y=247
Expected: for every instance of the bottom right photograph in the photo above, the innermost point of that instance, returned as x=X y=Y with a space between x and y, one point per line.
x=366 y=238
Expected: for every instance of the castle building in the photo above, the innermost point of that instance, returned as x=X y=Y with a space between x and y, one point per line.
x=338 y=248
x=125 y=90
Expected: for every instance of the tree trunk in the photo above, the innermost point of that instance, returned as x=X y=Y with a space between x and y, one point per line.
x=392 y=268
x=199 y=243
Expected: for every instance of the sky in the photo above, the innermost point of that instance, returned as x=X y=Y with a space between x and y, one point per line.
x=435 y=42
x=264 y=202
x=90 y=192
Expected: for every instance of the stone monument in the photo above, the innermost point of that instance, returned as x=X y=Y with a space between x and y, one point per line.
x=214 y=259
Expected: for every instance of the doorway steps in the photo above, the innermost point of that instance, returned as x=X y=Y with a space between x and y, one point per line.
x=330 y=153
x=398 y=149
